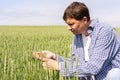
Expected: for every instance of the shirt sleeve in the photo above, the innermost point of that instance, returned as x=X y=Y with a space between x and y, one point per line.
x=104 y=50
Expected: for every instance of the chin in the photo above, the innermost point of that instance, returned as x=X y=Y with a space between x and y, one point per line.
x=76 y=33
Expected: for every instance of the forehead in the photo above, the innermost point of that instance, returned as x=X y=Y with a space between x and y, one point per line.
x=70 y=20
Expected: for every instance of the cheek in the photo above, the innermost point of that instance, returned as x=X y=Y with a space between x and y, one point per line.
x=77 y=27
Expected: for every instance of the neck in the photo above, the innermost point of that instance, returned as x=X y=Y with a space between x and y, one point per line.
x=86 y=29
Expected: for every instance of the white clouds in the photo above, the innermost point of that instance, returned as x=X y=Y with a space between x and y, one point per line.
x=31 y=21
x=30 y=17
x=31 y=14
x=8 y=10
x=44 y=12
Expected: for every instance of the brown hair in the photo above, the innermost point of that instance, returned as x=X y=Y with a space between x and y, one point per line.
x=76 y=10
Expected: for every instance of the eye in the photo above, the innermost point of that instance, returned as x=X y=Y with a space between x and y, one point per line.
x=70 y=24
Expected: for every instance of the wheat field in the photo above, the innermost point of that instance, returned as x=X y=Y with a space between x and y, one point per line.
x=17 y=43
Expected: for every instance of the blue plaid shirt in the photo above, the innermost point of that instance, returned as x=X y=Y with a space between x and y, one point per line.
x=104 y=53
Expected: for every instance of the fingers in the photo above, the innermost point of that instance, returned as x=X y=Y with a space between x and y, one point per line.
x=45 y=65
x=48 y=61
x=40 y=55
x=50 y=64
x=45 y=52
x=45 y=59
x=37 y=55
x=49 y=54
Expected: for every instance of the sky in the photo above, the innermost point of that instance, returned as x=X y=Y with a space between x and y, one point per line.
x=50 y=12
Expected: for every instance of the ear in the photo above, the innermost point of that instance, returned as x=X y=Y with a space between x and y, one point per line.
x=85 y=19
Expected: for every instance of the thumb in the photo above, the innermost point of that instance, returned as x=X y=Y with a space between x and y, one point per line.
x=45 y=59
x=45 y=52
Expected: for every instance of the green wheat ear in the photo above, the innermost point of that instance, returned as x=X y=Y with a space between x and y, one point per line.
x=42 y=55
